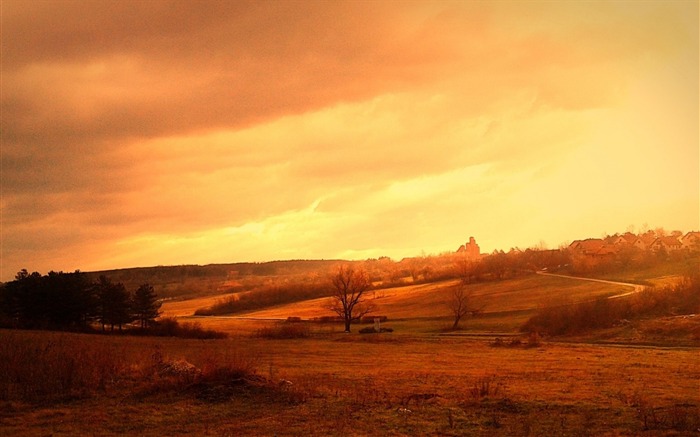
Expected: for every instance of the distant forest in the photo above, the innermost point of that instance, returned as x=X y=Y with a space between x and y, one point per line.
x=72 y=301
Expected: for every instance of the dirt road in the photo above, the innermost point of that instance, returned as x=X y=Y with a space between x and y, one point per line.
x=636 y=288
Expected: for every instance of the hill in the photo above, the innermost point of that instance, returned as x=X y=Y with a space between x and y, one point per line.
x=189 y=281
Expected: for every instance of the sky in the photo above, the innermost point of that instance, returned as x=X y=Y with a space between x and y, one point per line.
x=141 y=133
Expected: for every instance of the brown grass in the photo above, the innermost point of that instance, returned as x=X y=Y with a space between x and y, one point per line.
x=410 y=382
x=37 y=367
x=682 y=298
x=428 y=300
x=341 y=384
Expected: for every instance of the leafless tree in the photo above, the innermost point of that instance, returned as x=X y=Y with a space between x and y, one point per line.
x=460 y=303
x=349 y=297
x=464 y=268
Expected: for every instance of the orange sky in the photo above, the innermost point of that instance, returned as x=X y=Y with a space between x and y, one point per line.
x=145 y=133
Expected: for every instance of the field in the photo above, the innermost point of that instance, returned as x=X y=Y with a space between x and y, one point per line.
x=342 y=384
x=505 y=305
x=485 y=379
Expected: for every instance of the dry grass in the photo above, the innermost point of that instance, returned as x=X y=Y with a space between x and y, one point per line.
x=428 y=300
x=410 y=382
x=339 y=384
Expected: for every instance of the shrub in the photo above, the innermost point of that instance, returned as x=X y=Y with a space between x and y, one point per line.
x=370 y=319
x=284 y=331
x=488 y=386
x=683 y=298
x=266 y=296
x=533 y=340
x=371 y=330
x=328 y=319
x=170 y=327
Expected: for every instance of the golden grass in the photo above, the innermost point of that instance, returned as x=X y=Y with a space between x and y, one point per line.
x=390 y=385
x=429 y=300
x=180 y=308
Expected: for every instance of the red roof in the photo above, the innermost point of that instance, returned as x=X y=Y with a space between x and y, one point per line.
x=667 y=241
x=589 y=245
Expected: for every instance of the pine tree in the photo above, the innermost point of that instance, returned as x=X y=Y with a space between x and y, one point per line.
x=114 y=303
x=145 y=305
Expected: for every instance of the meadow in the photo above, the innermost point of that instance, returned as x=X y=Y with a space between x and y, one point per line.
x=487 y=378
x=340 y=384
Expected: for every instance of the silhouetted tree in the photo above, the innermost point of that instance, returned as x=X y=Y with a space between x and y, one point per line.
x=57 y=300
x=459 y=303
x=71 y=300
x=145 y=305
x=113 y=303
x=348 y=299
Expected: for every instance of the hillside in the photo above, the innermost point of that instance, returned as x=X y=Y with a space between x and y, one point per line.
x=190 y=281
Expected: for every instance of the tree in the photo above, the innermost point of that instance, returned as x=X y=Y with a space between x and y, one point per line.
x=465 y=268
x=348 y=299
x=459 y=303
x=145 y=305
x=114 y=303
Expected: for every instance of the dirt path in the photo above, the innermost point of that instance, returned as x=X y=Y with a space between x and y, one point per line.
x=636 y=288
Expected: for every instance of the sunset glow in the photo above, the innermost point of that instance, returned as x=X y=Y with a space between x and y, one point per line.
x=158 y=133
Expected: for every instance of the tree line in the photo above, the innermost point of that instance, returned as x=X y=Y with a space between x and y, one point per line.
x=72 y=301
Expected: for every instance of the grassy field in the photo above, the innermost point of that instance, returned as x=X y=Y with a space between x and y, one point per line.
x=639 y=378
x=348 y=384
x=429 y=300
x=421 y=309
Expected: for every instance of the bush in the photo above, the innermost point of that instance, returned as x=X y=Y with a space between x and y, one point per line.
x=284 y=331
x=370 y=319
x=328 y=319
x=267 y=296
x=371 y=330
x=170 y=327
x=680 y=299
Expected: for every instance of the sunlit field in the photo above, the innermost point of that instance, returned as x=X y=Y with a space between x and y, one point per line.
x=504 y=305
x=349 y=218
x=486 y=378
x=340 y=384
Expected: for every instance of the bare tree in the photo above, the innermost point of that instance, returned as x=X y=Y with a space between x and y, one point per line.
x=349 y=298
x=464 y=268
x=460 y=304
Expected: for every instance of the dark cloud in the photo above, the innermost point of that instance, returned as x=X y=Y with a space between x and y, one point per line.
x=108 y=107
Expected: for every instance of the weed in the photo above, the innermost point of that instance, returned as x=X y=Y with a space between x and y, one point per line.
x=488 y=386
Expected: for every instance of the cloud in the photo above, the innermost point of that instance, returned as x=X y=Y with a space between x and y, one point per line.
x=165 y=123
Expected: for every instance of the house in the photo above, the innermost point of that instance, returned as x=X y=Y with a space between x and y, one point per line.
x=691 y=241
x=644 y=241
x=607 y=250
x=589 y=246
x=629 y=238
x=669 y=244
x=615 y=240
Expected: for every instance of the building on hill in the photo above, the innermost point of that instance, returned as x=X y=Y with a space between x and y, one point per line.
x=589 y=246
x=629 y=238
x=470 y=250
x=644 y=241
x=669 y=244
x=615 y=240
x=691 y=241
